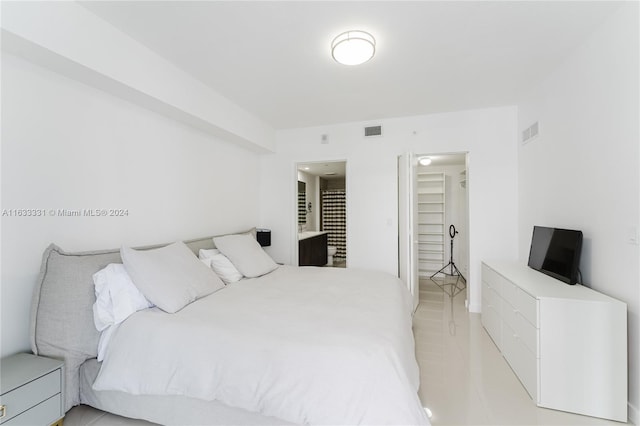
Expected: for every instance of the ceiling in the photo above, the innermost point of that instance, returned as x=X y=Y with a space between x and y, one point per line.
x=446 y=159
x=325 y=169
x=273 y=58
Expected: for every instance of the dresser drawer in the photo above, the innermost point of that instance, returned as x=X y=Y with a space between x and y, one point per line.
x=491 y=296
x=31 y=394
x=521 y=328
x=527 y=305
x=508 y=314
x=45 y=413
x=490 y=277
x=528 y=334
x=521 y=360
x=491 y=322
x=521 y=301
x=509 y=291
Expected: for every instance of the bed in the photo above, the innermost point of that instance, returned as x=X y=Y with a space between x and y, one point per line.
x=297 y=345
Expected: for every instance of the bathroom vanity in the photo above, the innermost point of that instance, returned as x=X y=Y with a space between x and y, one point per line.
x=312 y=248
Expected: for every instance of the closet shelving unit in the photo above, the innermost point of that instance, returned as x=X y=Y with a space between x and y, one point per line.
x=431 y=222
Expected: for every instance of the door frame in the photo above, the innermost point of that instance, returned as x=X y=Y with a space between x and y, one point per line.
x=414 y=165
x=294 y=205
x=407 y=225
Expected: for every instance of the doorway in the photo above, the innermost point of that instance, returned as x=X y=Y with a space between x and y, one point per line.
x=322 y=207
x=435 y=207
x=442 y=203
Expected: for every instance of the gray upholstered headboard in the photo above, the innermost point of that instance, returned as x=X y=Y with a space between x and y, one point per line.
x=62 y=324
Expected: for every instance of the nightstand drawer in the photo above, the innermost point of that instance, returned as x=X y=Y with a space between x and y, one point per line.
x=45 y=413
x=31 y=394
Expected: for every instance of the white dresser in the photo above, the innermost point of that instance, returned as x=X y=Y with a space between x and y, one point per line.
x=31 y=390
x=567 y=344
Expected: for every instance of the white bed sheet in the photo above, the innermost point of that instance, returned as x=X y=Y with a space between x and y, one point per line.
x=306 y=345
x=170 y=410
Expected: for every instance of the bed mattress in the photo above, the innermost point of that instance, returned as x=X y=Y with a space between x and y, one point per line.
x=166 y=410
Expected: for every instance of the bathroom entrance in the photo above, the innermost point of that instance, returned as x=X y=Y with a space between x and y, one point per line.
x=322 y=214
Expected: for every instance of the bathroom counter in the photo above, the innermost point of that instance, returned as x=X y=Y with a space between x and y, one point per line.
x=309 y=234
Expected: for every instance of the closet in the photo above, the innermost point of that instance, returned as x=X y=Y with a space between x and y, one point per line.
x=432 y=196
x=431 y=221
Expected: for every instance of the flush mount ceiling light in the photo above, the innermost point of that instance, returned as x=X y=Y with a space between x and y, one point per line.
x=424 y=161
x=353 y=47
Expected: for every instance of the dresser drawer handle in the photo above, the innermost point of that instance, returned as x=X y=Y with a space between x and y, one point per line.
x=3 y=411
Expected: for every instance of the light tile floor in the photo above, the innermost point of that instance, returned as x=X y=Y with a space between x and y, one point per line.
x=464 y=379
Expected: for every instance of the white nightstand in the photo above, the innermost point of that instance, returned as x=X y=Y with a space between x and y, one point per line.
x=31 y=390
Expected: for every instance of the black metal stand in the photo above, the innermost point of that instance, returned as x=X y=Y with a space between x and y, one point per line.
x=454 y=287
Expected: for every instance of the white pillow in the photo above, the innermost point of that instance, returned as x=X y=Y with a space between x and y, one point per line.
x=246 y=254
x=171 y=277
x=207 y=253
x=221 y=265
x=116 y=298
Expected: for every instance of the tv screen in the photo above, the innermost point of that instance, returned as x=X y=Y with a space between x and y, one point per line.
x=556 y=252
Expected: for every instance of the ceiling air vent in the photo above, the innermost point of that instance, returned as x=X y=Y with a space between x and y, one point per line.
x=373 y=131
x=530 y=132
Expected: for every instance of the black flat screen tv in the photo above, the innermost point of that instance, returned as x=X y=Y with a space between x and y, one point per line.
x=556 y=252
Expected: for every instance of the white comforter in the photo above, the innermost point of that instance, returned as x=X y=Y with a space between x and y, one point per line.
x=306 y=345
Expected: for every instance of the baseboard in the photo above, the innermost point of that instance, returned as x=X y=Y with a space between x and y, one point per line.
x=633 y=414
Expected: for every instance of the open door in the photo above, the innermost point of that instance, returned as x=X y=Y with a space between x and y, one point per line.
x=407 y=225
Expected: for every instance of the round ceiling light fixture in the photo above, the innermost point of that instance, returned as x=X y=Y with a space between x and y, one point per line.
x=424 y=161
x=353 y=47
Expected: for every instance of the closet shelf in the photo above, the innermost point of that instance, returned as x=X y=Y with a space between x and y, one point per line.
x=427 y=177
x=431 y=188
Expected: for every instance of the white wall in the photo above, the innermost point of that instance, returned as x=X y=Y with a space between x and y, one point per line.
x=66 y=145
x=582 y=171
x=372 y=219
x=66 y=37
